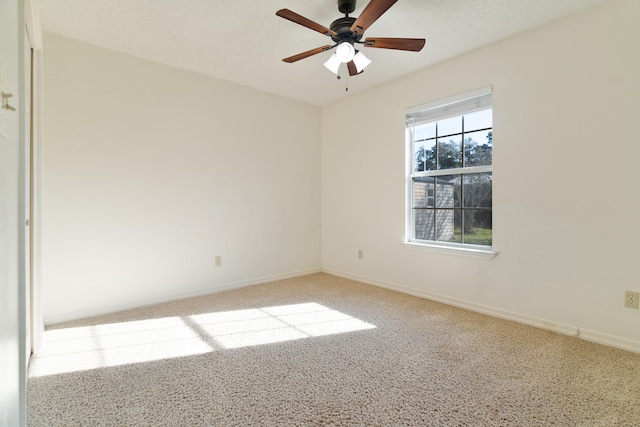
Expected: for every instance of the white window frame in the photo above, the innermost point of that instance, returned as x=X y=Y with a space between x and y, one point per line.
x=458 y=105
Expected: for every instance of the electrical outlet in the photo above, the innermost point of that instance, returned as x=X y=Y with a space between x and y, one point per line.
x=218 y=261
x=360 y=254
x=632 y=299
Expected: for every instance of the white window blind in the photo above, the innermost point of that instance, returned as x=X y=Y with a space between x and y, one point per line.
x=464 y=103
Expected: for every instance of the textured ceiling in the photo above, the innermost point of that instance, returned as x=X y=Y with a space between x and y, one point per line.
x=243 y=41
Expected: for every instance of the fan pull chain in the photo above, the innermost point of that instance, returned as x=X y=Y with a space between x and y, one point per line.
x=346 y=80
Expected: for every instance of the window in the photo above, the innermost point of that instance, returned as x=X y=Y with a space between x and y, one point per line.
x=450 y=171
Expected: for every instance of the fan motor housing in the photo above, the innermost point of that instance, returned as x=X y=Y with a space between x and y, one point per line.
x=342 y=26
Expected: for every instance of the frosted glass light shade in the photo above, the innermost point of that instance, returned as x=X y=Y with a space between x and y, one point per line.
x=333 y=64
x=345 y=52
x=361 y=61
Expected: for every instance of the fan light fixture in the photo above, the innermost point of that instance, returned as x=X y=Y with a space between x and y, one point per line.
x=345 y=52
x=361 y=61
x=333 y=64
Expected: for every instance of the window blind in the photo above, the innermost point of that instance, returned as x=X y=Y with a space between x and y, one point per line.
x=464 y=103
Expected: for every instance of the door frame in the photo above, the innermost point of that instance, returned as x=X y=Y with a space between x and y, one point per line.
x=34 y=285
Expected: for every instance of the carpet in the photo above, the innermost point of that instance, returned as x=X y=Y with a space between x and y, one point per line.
x=320 y=350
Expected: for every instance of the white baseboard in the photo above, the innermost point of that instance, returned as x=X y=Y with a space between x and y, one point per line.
x=610 y=340
x=108 y=309
x=574 y=331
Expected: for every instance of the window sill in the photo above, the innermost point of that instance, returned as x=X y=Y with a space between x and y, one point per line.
x=450 y=250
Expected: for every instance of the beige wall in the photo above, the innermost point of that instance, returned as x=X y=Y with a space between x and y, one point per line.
x=566 y=179
x=150 y=172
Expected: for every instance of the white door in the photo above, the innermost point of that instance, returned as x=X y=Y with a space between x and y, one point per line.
x=12 y=357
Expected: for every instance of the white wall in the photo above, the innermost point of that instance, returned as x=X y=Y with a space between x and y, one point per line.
x=150 y=172
x=566 y=178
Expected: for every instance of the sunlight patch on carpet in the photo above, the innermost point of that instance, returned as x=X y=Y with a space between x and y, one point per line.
x=257 y=326
x=114 y=344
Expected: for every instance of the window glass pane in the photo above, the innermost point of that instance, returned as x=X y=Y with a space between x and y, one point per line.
x=447 y=222
x=426 y=131
x=477 y=148
x=424 y=156
x=423 y=224
x=477 y=190
x=450 y=152
x=423 y=192
x=478 y=120
x=418 y=158
x=478 y=227
x=448 y=191
x=450 y=126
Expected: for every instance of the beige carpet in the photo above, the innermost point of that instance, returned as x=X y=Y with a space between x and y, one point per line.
x=322 y=350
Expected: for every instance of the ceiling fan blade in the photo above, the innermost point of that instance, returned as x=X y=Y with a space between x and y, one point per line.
x=353 y=71
x=414 y=45
x=306 y=54
x=370 y=14
x=301 y=20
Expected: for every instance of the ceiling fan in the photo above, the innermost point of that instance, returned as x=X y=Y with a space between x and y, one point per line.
x=347 y=32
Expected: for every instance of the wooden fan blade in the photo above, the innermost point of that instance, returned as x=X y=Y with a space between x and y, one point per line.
x=370 y=14
x=306 y=54
x=414 y=45
x=301 y=20
x=353 y=71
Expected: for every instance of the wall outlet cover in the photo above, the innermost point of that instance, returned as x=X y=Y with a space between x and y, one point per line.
x=632 y=299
